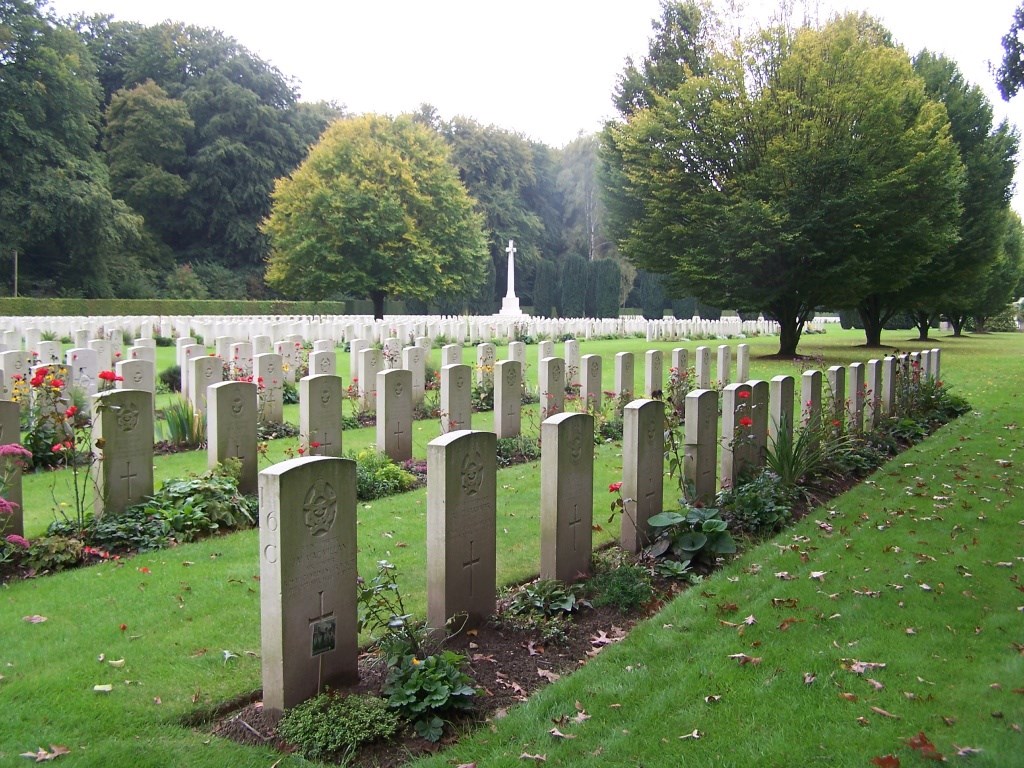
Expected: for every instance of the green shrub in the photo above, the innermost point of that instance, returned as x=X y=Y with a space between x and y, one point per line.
x=546 y=596
x=137 y=529
x=54 y=553
x=516 y=450
x=625 y=586
x=329 y=727
x=762 y=504
x=201 y=504
x=170 y=378
x=182 y=424
x=289 y=393
x=424 y=689
x=378 y=476
x=698 y=535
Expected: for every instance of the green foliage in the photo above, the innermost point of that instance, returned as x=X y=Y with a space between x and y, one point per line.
x=137 y=529
x=1010 y=75
x=199 y=505
x=760 y=505
x=625 y=586
x=54 y=553
x=793 y=459
x=699 y=535
x=572 y=274
x=545 y=286
x=375 y=210
x=516 y=450
x=170 y=378
x=37 y=307
x=548 y=597
x=383 y=614
x=424 y=689
x=328 y=727
x=184 y=425
x=607 y=275
x=378 y=476
x=290 y=393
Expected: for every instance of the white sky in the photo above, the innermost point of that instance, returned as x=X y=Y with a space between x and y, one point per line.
x=543 y=68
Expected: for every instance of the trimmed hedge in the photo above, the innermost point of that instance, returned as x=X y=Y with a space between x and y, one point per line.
x=24 y=306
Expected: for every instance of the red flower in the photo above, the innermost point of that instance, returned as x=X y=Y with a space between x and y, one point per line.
x=746 y=421
x=110 y=376
x=123 y=627
x=743 y=394
x=57 y=383
x=71 y=411
x=314 y=444
x=302 y=451
x=614 y=487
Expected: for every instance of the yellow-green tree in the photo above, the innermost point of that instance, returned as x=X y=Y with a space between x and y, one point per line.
x=376 y=210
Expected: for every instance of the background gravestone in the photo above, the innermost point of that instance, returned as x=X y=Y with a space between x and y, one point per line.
x=461 y=527
x=643 y=450
x=269 y=369
x=702 y=367
x=737 y=424
x=323 y=363
x=485 y=357
x=202 y=373
x=566 y=496
x=371 y=362
x=780 y=409
x=836 y=377
x=136 y=374
x=571 y=353
x=551 y=386
x=414 y=361
x=653 y=373
x=307 y=579
x=624 y=379
x=456 y=398
x=394 y=413
x=123 y=433
x=320 y=402
x=10 y=434
x=590 y=382
x=724 y=364
x=231 y=428
x=508 y=398
x=700 y=450
x=517 y=352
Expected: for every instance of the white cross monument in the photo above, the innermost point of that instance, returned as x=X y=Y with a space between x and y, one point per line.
x=510 y=304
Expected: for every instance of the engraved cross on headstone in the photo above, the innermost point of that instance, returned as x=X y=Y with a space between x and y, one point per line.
x=398 y=434
x=470 y=564
x=574 y=522
x=128 y=476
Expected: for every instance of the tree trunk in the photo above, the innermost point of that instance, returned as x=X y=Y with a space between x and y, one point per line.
x=377 y=297
x=980 y=321
x=871 y=317
x=923 y=321
x=957 y=321
x=791 y=322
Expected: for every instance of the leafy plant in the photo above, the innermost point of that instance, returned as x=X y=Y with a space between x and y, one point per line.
x=546 y=596
x=170 y=379
x=699 y=535
x=625 y=586
x=424 y=689
x=382 y=613
x=378 y=476
x=184 y=425
x=201 y=504
x=135 y=529
x=761 y=504
x=289 y=393
x=329 y=727
x=518 y=449
x=54 y=553
x=796 y=459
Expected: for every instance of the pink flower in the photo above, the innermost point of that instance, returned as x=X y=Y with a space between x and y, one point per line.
x=614 y=487
x=18 y=541
x=7 y=507
x=13 y=449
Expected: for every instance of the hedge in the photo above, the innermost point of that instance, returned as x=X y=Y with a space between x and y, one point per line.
x=24 y=306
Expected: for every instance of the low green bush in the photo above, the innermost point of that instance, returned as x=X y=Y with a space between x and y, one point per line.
x=760 y=505
x=624 y=586
x=329 y=727
x=378 y=476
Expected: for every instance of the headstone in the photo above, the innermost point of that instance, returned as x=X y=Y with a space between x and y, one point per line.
x=680 y=361
x=451 y=354
x=855 y=405
x=203 y=371
x=323 y=345
x=456 y=398
x=810 y=398
x=653 y=374
x=737 y=425
x=425 y=343
x=517 y=352
x=724 y=364
x=262 y=345
x=551 y=386
x=142 y=353
x=643 y=451
x=394 y=414
x=323 y=363
x=391 y=353
x=759 y=395
x=874 y=393
x=888 y=385
x=590 y=382
x=702 y=367
x=937 y=364
x=241 y=359
x=81 y=337
x=10 y=434
x=780 y=409
x=269 y=378
x=13 y=363
x=566 y=496
x=222 y=346
x=571 y=353
x=84 y=370
x=836 y=376
x=700 y=452
x=742 y=362
x=485 y=357
x=371 y=362
x=123 y=426
x=624 y=381
x=104 y=353
x=461 y=528
x=49 y=352
x=137 y=374
x=231 y=428
x=508 y=398
x=545 y=349
x=356 y=346
x=414 y=361
x=320 y=403
x=307 y=579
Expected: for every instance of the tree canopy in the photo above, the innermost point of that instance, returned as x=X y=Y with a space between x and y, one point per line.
x=811 y=170
x=376 y=209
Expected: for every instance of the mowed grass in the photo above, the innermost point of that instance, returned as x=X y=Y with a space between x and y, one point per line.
x=183 y=608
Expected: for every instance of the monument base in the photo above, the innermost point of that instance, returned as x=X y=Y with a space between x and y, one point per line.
x=510 y=307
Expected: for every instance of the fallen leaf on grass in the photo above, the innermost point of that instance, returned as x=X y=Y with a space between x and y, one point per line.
x=42 y=756
x=877 y=685
x=750 y=620
x=466 y=765
x=117 y=663
x=713 y=699
x=809 y=677
x=966 y=751
x=787 y=623
x=34 y=619
x=922 y=744
x=883 y=713
x=548 y=675
x=784 y=602
x=818 y=575
x=785 y=576
x=860 y=667
x=743 y=659
x=886 y=761
x=694 y=734
x=484 y=657
x=848 y=696
x=863 y=722
x=536 y=758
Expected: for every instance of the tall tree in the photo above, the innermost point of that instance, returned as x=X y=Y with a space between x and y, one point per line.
x=810 y=173
x=376 y=210
x=55 y=202
x=1010 y=75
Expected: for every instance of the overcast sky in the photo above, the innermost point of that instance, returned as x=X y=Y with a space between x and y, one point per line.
x=543 y=68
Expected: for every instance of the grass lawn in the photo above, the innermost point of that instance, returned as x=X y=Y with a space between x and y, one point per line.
x=936 y=534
